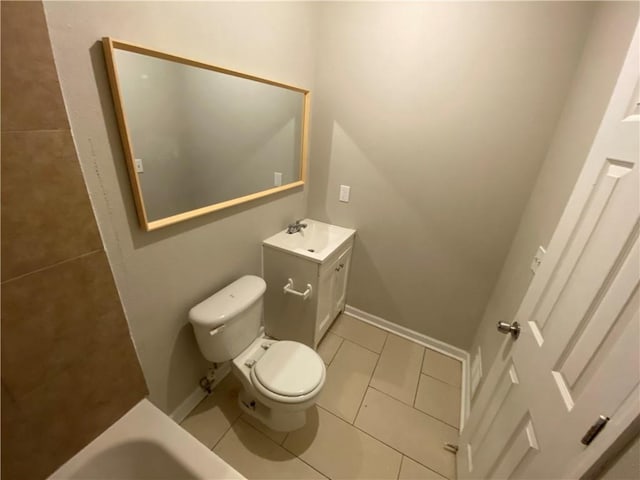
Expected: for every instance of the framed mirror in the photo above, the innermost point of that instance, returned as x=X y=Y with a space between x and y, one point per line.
x=199 y=138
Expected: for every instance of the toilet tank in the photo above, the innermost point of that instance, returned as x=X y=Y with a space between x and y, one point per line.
x=229 y=320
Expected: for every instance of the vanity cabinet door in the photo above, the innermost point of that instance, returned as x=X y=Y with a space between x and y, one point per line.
x=332 y=291
x=339 y=290
x=325 y=301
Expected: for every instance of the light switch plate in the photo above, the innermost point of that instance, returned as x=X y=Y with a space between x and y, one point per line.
x=345 y=192
x=277 y=179
x=537 y=259
x=139 y=166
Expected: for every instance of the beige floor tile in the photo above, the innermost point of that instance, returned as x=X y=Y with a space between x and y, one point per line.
x=439 y=400
x=341 y=451
x=359 y=332
x=209 y=421
x=398 y=369
x=415 y=434
x=328 y=347
x=347 y=380
x=257 y=457
x=442 y=367
x=277 y=437
x=410 y=470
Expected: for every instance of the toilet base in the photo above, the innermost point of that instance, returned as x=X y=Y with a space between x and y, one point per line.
x=278 y=420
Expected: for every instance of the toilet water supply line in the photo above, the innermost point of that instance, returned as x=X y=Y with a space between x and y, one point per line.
x=207 y=382
x=288 y=288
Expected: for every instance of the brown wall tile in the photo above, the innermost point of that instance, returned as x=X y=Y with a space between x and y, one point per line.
x=64 y=413
x=31 y=97
x=46 y=213
x=57 y=317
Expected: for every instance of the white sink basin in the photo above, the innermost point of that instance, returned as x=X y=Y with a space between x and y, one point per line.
x=316 y=242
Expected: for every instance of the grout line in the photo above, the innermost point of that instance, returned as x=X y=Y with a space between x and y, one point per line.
x=415 y=394
x=402 y=454
x=362 y=346
x=424 y=466
x=447 y=384
x=336 y=352
x=53 y=265
x=368 y=325
x=400 y=469
x=417 y=410
x=360 y=430
x=259 y=431
x=231 y=424
x=325 y=475
x=301 y=459
x=441 y=381
x=370 y=378
x=281 y=445
x=37 y=130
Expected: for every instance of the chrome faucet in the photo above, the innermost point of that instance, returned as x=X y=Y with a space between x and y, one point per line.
x=295 y=227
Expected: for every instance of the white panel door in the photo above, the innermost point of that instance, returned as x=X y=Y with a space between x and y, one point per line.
x=578 y=353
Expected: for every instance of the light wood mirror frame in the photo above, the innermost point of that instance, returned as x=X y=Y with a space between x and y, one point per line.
x=109 y=46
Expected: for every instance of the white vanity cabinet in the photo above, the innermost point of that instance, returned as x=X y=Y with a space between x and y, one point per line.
x=320 y=269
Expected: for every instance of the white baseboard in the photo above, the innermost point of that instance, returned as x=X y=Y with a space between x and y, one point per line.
x=189 y=403
x=426 y=341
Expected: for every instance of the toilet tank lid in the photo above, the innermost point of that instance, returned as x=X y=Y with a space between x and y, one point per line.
x=225 y=304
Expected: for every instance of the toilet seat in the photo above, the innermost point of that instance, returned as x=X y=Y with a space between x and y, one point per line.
x=288 y=372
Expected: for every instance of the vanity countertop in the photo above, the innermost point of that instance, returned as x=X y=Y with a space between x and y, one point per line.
x=316 y=242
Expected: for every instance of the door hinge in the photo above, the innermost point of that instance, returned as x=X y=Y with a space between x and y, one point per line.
x=594 y=430
x=451 y=447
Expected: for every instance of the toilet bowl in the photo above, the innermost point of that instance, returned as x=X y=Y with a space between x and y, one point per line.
x=280 y=379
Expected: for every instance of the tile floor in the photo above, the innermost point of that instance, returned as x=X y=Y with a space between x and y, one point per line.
x=387 y=408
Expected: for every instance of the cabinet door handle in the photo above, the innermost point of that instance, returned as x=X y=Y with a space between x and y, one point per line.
x=339 y=267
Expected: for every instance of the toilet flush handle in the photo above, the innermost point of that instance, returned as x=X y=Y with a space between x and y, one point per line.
x=214 y=331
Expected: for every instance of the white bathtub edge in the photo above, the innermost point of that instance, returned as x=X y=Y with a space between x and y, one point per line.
x=145 y=422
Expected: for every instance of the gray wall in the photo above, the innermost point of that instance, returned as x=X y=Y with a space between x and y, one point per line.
x=161 y=274
x=602 y=58
x=438 y=115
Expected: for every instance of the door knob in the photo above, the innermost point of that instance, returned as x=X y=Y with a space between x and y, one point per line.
x=512 y=328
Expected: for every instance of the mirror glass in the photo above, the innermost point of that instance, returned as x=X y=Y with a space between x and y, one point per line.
x=198 y=137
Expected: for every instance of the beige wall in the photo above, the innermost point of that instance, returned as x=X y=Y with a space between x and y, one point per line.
x=69 y=369
x=602 y=58
x=160 y=275
x=438 y=115
x=625 y=465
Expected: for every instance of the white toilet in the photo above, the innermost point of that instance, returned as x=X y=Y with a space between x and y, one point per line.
x=280 y=379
